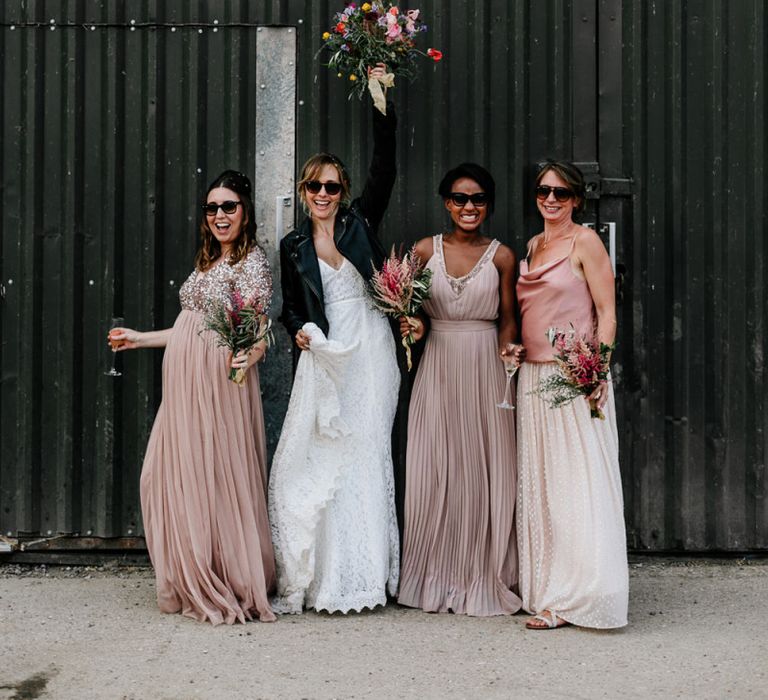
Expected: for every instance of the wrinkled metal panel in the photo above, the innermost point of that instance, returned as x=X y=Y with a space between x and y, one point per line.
x=664 y=100
x=115 y=117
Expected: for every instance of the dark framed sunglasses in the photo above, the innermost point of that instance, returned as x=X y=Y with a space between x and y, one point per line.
x=479 y=199
x=331 y=188
x=228 y=207
x=562 y=194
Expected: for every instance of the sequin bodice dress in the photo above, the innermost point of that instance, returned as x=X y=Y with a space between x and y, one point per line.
x=204 y=477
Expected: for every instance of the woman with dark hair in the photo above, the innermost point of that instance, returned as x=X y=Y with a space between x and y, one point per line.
x=331 y=491
x=460 y=550
x=203 y=483
x=573 y=561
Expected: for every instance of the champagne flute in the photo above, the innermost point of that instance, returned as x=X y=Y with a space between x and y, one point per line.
x=511 y=365
x=117 y=322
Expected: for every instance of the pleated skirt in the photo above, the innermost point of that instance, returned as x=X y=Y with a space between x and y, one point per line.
x=570 y=524
x=203 y=486
x=459 y=543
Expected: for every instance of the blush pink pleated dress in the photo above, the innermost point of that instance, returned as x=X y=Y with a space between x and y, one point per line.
x=460 y=550
x=570 y=508
x=203 y=484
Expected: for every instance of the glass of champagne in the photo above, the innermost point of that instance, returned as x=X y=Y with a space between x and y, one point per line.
x=511 y=365
x=117 y=322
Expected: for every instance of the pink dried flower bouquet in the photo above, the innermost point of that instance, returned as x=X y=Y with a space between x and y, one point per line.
x=238 y=325
x=582 y=366
x=400 y=288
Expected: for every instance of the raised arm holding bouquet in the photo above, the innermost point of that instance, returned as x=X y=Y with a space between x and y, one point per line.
x=331 y=486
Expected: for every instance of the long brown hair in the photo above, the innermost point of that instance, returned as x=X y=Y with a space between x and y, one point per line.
x=210 y=249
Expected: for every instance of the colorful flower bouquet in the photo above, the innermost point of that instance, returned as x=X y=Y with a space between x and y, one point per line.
x=400 y=288
x=582 y=366
x=238 y=325
x=375 y=32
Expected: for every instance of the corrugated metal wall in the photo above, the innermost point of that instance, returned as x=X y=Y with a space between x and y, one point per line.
x=666 y=99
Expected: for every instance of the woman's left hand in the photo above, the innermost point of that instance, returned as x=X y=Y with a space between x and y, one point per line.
x=245 y=359
x=599 y=395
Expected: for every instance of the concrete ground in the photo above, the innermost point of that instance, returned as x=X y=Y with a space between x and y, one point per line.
x=697 y=630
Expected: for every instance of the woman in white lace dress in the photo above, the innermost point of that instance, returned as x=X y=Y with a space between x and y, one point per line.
x=331 y=490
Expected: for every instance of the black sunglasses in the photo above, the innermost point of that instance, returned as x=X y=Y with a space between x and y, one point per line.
x=331 y=188
x=228 y=207
x=479 y=199
x=562 y=194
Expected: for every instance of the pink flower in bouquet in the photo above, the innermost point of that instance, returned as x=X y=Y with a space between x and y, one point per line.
x=399 y=289
x=582 y=365
x=238 y=325
x=410 y=21
x=394 y=30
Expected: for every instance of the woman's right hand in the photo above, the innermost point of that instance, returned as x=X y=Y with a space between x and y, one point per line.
x=129 y=339
x=412 y=325
x=302 y=340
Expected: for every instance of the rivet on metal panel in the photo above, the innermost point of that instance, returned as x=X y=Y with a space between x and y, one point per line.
x=200 y=31
x=262 y=86
x=49 y=533
x=301 y=21
x=173 y=29
x=215 y=29
x=53 y=28
x=199 y=170
x=10 y=534
x=259 y=29
x=133 y=29
x=301 y=103
x=13 y=26
x=215 y=21
x=133 y=21
x=89 y=532
x=130 y=532
x=93 y=27
x=53 y=21
x=261 y=153
x=290 y=31
x=290 y=63
x=171 y=283
x=91 y=283
x=10 y=281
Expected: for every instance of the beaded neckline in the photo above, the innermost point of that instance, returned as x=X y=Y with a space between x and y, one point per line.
x=458 y=283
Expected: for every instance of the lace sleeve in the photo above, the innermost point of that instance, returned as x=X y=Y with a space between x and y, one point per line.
x=254 y=278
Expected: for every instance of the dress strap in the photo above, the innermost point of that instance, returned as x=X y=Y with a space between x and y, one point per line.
x=437 y=246
x=573 y=243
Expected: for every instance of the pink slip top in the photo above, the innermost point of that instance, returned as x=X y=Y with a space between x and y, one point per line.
x=552 y=296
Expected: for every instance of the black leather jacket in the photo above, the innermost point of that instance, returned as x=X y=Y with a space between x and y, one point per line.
x=354 y=233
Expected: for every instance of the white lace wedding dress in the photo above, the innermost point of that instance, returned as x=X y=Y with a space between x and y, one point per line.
x=331 y=489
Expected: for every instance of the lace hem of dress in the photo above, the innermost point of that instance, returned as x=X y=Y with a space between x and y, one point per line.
x=458 y=283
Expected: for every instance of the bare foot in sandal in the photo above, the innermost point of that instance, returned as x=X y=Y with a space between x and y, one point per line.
x=547 y=620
